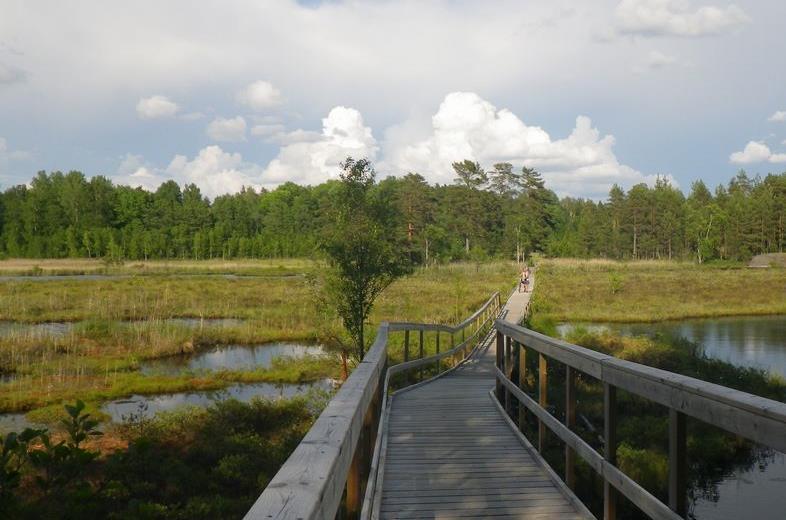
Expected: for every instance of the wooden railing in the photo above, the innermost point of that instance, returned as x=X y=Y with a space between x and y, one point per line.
x=755 y=418
x=327 y=474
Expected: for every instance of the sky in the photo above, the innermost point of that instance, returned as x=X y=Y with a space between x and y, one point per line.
x=236 y=93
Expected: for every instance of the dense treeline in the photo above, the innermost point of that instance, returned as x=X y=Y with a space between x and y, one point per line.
x=498 y=213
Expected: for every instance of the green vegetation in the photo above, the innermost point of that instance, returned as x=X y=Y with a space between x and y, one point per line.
x=495 y=213
x=99 y=359
x=604 y=290
x=192 y=463
x=362 y=254
x=610 y=291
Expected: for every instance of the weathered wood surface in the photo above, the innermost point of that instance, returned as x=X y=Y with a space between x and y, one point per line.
x=450 y=454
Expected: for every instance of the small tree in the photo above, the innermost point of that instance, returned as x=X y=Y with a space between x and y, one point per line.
x=360 y=248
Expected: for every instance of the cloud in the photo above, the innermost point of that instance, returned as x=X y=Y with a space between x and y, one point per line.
x=778 y=117
x=260 y=95
x=311 y=158
x=156 y=107
x=469 y=127
x=221 y=129
x=10 y=74
x=756 y=152
x=676 y=18
x=658 y=60
x=215 y=171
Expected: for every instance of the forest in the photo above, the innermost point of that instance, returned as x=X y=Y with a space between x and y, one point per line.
x=494 y=213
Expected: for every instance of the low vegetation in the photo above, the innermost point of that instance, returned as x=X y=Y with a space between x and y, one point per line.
x=99 y=358
x=608 y=291
x=192 y=463
x=611 y=291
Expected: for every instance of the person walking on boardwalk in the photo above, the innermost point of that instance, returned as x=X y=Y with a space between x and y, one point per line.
x=524 y=282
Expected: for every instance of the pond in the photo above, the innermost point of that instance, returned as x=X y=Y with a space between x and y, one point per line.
x=147 y=406
x=751 y=341
x=231 y=357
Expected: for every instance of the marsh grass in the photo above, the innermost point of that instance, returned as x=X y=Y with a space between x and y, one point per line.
x=83 y=266
x=122 y=322
x=610 y=291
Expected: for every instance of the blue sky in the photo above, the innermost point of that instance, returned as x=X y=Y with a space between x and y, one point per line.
x=255 y=93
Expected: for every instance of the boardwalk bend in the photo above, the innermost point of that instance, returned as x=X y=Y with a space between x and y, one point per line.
x=437 y=435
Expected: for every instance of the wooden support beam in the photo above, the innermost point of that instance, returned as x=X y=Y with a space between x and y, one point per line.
x=421 y=352
x=508 y=370
x=570 y=422
x=522 y=384
x=542 y=398
x=406 y=345
x=499 y=361
x=678 y=463
x=610 y=448
x=439 y=361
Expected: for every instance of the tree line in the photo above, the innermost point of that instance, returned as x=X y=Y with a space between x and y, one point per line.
x=496 y=212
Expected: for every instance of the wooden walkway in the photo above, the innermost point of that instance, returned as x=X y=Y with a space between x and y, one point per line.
x=451 y=454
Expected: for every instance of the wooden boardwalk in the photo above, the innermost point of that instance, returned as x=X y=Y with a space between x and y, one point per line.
x=451 y=454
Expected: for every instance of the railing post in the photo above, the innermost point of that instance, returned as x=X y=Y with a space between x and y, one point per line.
x=542 y=398
x=610 y=449
x=522 y=383
x=570 y=422
x=678 y=465
x=439 y=361
x=406 y=345
x=421 y=351
x=508 y=370
x=354 y=498
x=500 y=347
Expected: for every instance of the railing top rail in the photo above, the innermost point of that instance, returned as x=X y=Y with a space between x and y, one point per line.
x=303 y=487
x=757 y=418
x=406 y=325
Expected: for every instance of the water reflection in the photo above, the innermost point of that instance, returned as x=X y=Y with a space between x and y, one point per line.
x=231 y=357
x=148 y=406
x=758 y=342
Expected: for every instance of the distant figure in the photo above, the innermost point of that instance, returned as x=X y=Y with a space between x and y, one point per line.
x=524 y=279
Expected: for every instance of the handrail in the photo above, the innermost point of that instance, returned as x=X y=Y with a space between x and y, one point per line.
x=333 y=455
x=756 y=418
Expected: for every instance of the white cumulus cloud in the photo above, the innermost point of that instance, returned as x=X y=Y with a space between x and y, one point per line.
x=468 y=127
x=778 y=117
x=156 y=107
x=233 y=129
x=312 y=159
x=676 y=18
x=260 y=95
x=756 y=152
x=215 y=171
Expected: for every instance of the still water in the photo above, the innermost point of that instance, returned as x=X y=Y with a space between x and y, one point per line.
x=231 y=357
x=758 y=342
